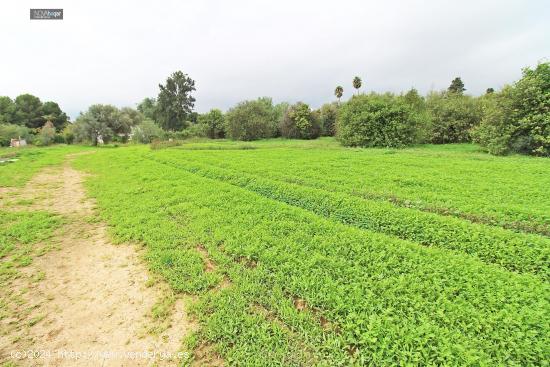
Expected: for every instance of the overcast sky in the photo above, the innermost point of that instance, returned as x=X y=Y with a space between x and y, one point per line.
x=118 y=51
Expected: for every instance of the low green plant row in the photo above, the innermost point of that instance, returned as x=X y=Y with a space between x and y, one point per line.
x=507 y=192
x=394 y=302
x=513 y=251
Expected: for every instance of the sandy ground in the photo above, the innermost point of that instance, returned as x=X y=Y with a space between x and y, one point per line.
x=94 y=300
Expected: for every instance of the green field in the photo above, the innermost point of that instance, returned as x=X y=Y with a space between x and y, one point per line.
x=306 y=253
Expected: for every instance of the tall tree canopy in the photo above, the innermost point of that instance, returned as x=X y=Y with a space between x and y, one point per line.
x=52 y=112
x=7 y=110
x=28 y=111
x=175 y=102
x=457 y=86
x=357 y=82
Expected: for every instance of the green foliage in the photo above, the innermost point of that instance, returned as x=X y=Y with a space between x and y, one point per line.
x=175 y=102
x=304 y=279
x=148 y=108
x=106 y=123
x=357 y=83
x=328 y=114
x=517 y=119
x=339 y=92
x=46 y=135
x=146 y=132
x=457 y=86
x=11 y=131
x=52 y=112
x=28 y=111
x=377 y=121
x=452 y=115
x=300 y=123
x=7 y=110
x=251 y=120
x=213 y=124
x=517 y=252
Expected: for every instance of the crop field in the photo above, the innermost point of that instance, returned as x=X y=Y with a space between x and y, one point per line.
x=306 y=253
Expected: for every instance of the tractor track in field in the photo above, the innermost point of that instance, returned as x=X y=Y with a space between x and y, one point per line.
x=93 y=302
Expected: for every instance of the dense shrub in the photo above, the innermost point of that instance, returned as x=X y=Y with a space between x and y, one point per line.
x=300 y=123
x=46 y=135
x=377 y=120
x=452 y=116
x=327 y=118
x=213 y=124
x=494 y=133
x=146 y=132
x=517 y=120
x=251 y=120
x=11 y=131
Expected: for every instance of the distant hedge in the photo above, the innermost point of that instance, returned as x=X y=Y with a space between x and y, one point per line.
x=375 y=120
x=299 y=122
x=251 y=120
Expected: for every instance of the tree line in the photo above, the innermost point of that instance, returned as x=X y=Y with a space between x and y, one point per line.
x=26 y=116
x=515 y=119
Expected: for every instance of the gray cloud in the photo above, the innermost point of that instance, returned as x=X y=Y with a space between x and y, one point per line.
x=118 y=52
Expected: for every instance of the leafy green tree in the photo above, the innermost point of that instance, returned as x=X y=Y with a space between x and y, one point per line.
x=300 y=123
x=7 y=110
x=327 y=118
x=418 y=104
x=52 y=112
x=175 y=102
x=28 y=111
x=517 y=120
x=357 y=83
x=377 y=121
x=452 y=116
x=490 y=91
x=89 y=128
x=214 y=124
x=106 y=122
x=251 y=120
x=457 y=86
x=148 y=107
x=146 y=132
x=339 y=92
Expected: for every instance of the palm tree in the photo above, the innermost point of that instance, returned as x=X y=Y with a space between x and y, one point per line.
x=357 y=83
x=338 y=92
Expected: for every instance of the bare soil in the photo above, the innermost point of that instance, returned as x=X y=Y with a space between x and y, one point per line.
x=90 y=300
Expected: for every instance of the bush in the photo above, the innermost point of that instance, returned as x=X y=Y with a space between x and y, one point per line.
x=10 y=131
x=327 y=118
x=452 y=117
x=212 y=124
x=494 y=133
x=46 y=135
x=146 y=132
x=251 y=120
x=517 y=119
x=300 y=123
x=68 y=134
x=377 y=121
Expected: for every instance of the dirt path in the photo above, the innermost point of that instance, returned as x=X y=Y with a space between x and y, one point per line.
x=94 y=300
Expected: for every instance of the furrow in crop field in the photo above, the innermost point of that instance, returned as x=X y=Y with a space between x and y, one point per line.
x=498 y=191
x=511 y=250
x=393 y=301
